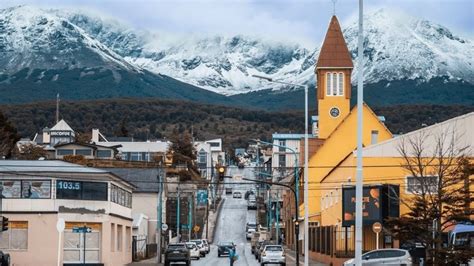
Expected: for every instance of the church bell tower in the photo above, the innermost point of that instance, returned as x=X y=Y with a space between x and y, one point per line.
x=333 y=75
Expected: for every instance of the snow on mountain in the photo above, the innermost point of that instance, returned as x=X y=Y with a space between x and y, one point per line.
x=35 y=38
x=398 y=47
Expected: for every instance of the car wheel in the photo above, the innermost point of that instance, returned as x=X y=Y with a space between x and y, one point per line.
x=261 y=264
x=167 y=263
x=283 y=264
x=218 y=255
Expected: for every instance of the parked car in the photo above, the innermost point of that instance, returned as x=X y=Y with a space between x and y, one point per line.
x=177 y=253
x=237 y=195
x=193 y=250
x=273 y=254
x=248 y=193
x=200 y=245
x=223 y=248
x=249 y=233
x=206 y=245
x=4 y=259
x=259 y=248
x=384 y=256
x=251 y=203
x=252 y=225
x=228 y=190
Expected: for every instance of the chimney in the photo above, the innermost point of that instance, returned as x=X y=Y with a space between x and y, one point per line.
x=46 y=136
x=95 y=135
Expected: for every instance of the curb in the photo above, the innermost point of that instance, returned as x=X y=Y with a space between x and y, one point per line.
x=221 y=202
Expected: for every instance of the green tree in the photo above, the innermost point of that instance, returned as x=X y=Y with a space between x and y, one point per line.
x=8 y=137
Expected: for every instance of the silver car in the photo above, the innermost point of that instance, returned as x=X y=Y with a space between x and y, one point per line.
x=273 y=254
x=392 y=256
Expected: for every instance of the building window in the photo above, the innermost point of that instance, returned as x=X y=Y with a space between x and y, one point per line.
x=104 y=153
x=85 y=152
x=16 y=237
x=135 y=156
x=282 y=160
x=120 y=196
x=202 y=156
x=214 y=144
x=63 y=152
x=128 y=239
x=426 y=184
x=26 y=189
x=119 y=237
x=334 y=84
x=112 y=237
x=66 y=189
x=282 y=144
x=374 y=138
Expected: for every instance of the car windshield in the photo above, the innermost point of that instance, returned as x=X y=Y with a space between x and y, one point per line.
x=198 y=242
x=273 y=248
x=227 y=244
x=176 y=246
x=190 y=246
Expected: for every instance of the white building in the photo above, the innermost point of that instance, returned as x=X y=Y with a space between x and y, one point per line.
x=204 y=158
x=132 y=150
x=286 y=154
x=36 y=194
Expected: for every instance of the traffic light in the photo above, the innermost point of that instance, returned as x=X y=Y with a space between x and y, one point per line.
x=221 y=172
x=4 y=223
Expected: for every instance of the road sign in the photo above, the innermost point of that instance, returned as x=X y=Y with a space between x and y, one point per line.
x=60 y=225
x=82 y=229
x=202 y=196
x=164 y=227
x=196 y=228
x=377 y=227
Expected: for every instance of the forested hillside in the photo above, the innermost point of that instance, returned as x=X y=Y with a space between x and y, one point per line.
x=151 y=118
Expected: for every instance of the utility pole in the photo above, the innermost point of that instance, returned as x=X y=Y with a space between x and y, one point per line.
x=207 y=215
x=190 y=217
x=277 y=218
x=359 y=177
x=159 y=212
x=178 y=214
x=57 y=108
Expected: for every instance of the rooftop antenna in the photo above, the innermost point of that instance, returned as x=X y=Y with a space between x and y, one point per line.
x=334 y=7
x=57 y=108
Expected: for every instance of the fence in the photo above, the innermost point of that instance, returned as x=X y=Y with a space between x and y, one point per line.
x=332 y=240
x=141 y=249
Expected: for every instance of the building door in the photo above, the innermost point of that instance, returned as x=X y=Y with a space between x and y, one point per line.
x=74 y=244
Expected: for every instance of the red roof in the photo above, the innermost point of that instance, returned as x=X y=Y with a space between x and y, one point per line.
x=334 y=52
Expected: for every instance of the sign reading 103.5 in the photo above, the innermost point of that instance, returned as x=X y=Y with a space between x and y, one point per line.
x=69 y=185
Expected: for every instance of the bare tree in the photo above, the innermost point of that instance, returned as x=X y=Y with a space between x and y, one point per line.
x=440 y=165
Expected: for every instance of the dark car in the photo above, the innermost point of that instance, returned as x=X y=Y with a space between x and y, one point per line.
x=228 y=190
x=223 y=248
x=4 y=259
x=177 y=253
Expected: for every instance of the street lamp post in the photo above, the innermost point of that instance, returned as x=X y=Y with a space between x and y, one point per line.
x=306 y=184
x=359 y=177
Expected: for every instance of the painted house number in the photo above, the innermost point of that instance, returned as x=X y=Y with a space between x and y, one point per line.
x=69 y=185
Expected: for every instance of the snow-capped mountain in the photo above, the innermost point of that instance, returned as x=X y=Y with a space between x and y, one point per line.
x=398 y=47
x=34 y=38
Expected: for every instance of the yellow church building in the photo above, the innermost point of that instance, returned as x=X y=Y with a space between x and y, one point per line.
x=332 y=168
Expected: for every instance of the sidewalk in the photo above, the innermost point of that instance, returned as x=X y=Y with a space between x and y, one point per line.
x=291 y=255
x=148 y=262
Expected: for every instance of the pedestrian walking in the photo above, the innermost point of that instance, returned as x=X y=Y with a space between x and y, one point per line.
x=232 y=256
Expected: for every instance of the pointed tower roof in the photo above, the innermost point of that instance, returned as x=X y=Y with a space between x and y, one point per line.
x=334 y=52
x=62 y=125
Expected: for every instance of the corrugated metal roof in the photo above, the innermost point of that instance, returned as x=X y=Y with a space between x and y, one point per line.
x=145 y=179
x=50 y=166
x=137 y=146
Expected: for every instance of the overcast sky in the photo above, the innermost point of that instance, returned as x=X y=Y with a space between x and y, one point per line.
x=302 y=21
